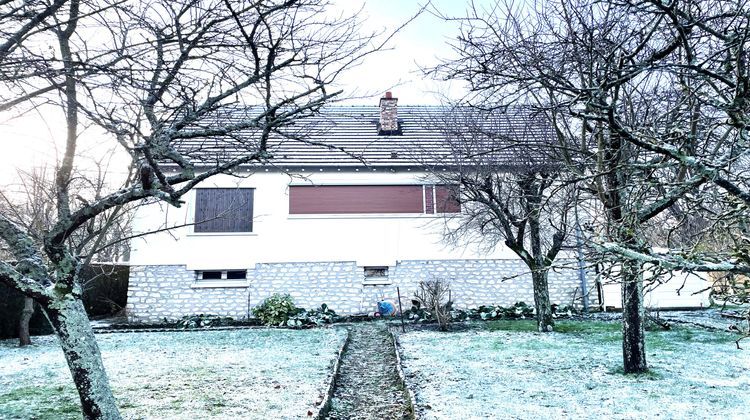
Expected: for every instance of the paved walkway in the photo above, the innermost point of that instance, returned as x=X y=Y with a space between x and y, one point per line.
x=368 y=386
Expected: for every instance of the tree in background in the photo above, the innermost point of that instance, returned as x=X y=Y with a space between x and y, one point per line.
x=650 y=102
x=31 y=204
x=177 y=85
x=510 y=186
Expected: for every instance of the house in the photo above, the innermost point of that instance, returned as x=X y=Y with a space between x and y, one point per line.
x=344 y=218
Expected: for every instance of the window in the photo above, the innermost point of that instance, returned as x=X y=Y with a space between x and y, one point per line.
x=223 y=210
x=376 y=275
x=348 y=199
x=210 y=275
x=222 y=275
x=376 y=272
x=372 y=199
x=236 y=275
x=447 y=199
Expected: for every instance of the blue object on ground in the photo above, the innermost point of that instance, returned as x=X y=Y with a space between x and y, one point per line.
x=386 y=308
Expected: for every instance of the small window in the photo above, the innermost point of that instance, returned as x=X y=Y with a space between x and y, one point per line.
x=237 y=275
x=376 y=272
x=222 y=275
x=375 y=276
x=210 y=275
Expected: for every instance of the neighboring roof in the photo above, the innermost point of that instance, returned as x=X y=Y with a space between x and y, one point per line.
x=347 y=136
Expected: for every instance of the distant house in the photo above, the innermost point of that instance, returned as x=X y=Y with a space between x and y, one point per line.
x=344 y=218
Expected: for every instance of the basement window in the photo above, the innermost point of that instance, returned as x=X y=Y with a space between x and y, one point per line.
x=222 y=275
x=207 y=279
x=237 y=275
x=376 y=272
x=376 y=275
x=210 y=275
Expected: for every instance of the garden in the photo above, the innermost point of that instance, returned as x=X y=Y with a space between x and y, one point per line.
x=507 y=367
x=316 y=364
x=243 y=373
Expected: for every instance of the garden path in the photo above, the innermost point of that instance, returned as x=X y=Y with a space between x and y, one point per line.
x=368 y=386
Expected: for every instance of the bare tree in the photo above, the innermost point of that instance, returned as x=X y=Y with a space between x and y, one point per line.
x=172 y=82
x=30 y=204
x=434 y=296
x=648 y=101
x=510 y=187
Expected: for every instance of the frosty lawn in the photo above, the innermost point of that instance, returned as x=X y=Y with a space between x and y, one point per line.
x=179 y=375
x=511 y=372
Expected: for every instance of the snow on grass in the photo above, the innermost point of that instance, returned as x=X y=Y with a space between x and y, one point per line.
x=251 y=373
x=520 y=374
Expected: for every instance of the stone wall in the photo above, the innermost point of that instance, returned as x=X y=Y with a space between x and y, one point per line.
x=159 y=292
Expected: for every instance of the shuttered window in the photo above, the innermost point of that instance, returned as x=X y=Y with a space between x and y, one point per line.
x=447 y=199
x=352 y=199
x=224 y=210
x=372 y=199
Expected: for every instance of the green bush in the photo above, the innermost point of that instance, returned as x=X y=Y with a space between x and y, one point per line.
x=276 y=310
x=520 y=310
x=313 y=317
x=190 y=322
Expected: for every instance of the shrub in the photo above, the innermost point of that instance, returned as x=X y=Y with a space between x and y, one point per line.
x=276 y=310
x=434 y=297
x=190 y=322
x=519 y=310
x=313 y=317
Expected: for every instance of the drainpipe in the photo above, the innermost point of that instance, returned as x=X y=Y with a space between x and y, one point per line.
x=581 y=264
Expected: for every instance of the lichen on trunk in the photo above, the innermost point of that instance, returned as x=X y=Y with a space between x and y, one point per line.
x=539 y=265
x=633 y=317
x=68 y=317
x=24 y=336
x=542 y=305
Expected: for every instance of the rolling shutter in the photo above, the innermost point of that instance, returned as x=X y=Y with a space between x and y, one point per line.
x=224 y=210
x=356 y=199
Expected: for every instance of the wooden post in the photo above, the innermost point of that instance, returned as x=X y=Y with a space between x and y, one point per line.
x=400 y=310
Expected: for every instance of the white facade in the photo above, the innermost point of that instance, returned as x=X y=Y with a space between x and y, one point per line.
x=680 y=290
x=278 y=237
x=321 y=258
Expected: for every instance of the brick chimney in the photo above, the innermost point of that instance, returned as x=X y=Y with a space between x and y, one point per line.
x=388 y=123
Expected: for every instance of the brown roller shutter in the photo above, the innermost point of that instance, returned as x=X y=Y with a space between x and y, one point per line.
x=446 y=199
x=355 y=199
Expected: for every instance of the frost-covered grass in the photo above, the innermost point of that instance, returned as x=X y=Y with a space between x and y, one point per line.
x=509 y=371
x=179 y=375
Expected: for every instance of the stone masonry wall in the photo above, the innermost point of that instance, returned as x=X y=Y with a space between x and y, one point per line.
x=159 y=292
x=164 y=291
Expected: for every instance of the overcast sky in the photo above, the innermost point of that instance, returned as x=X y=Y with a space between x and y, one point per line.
x=27 y=143
x=422 y=43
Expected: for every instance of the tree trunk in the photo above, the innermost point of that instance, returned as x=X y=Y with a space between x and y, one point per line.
x=633 y=317
x=539 y=268
x=69 y=319
x=544 y=320
x=24 y=337
x=624 y=228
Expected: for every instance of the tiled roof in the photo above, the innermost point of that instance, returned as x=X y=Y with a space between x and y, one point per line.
x=431 y=135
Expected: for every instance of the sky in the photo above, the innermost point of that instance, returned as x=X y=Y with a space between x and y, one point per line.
x=36 y=139
x=419 y=45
